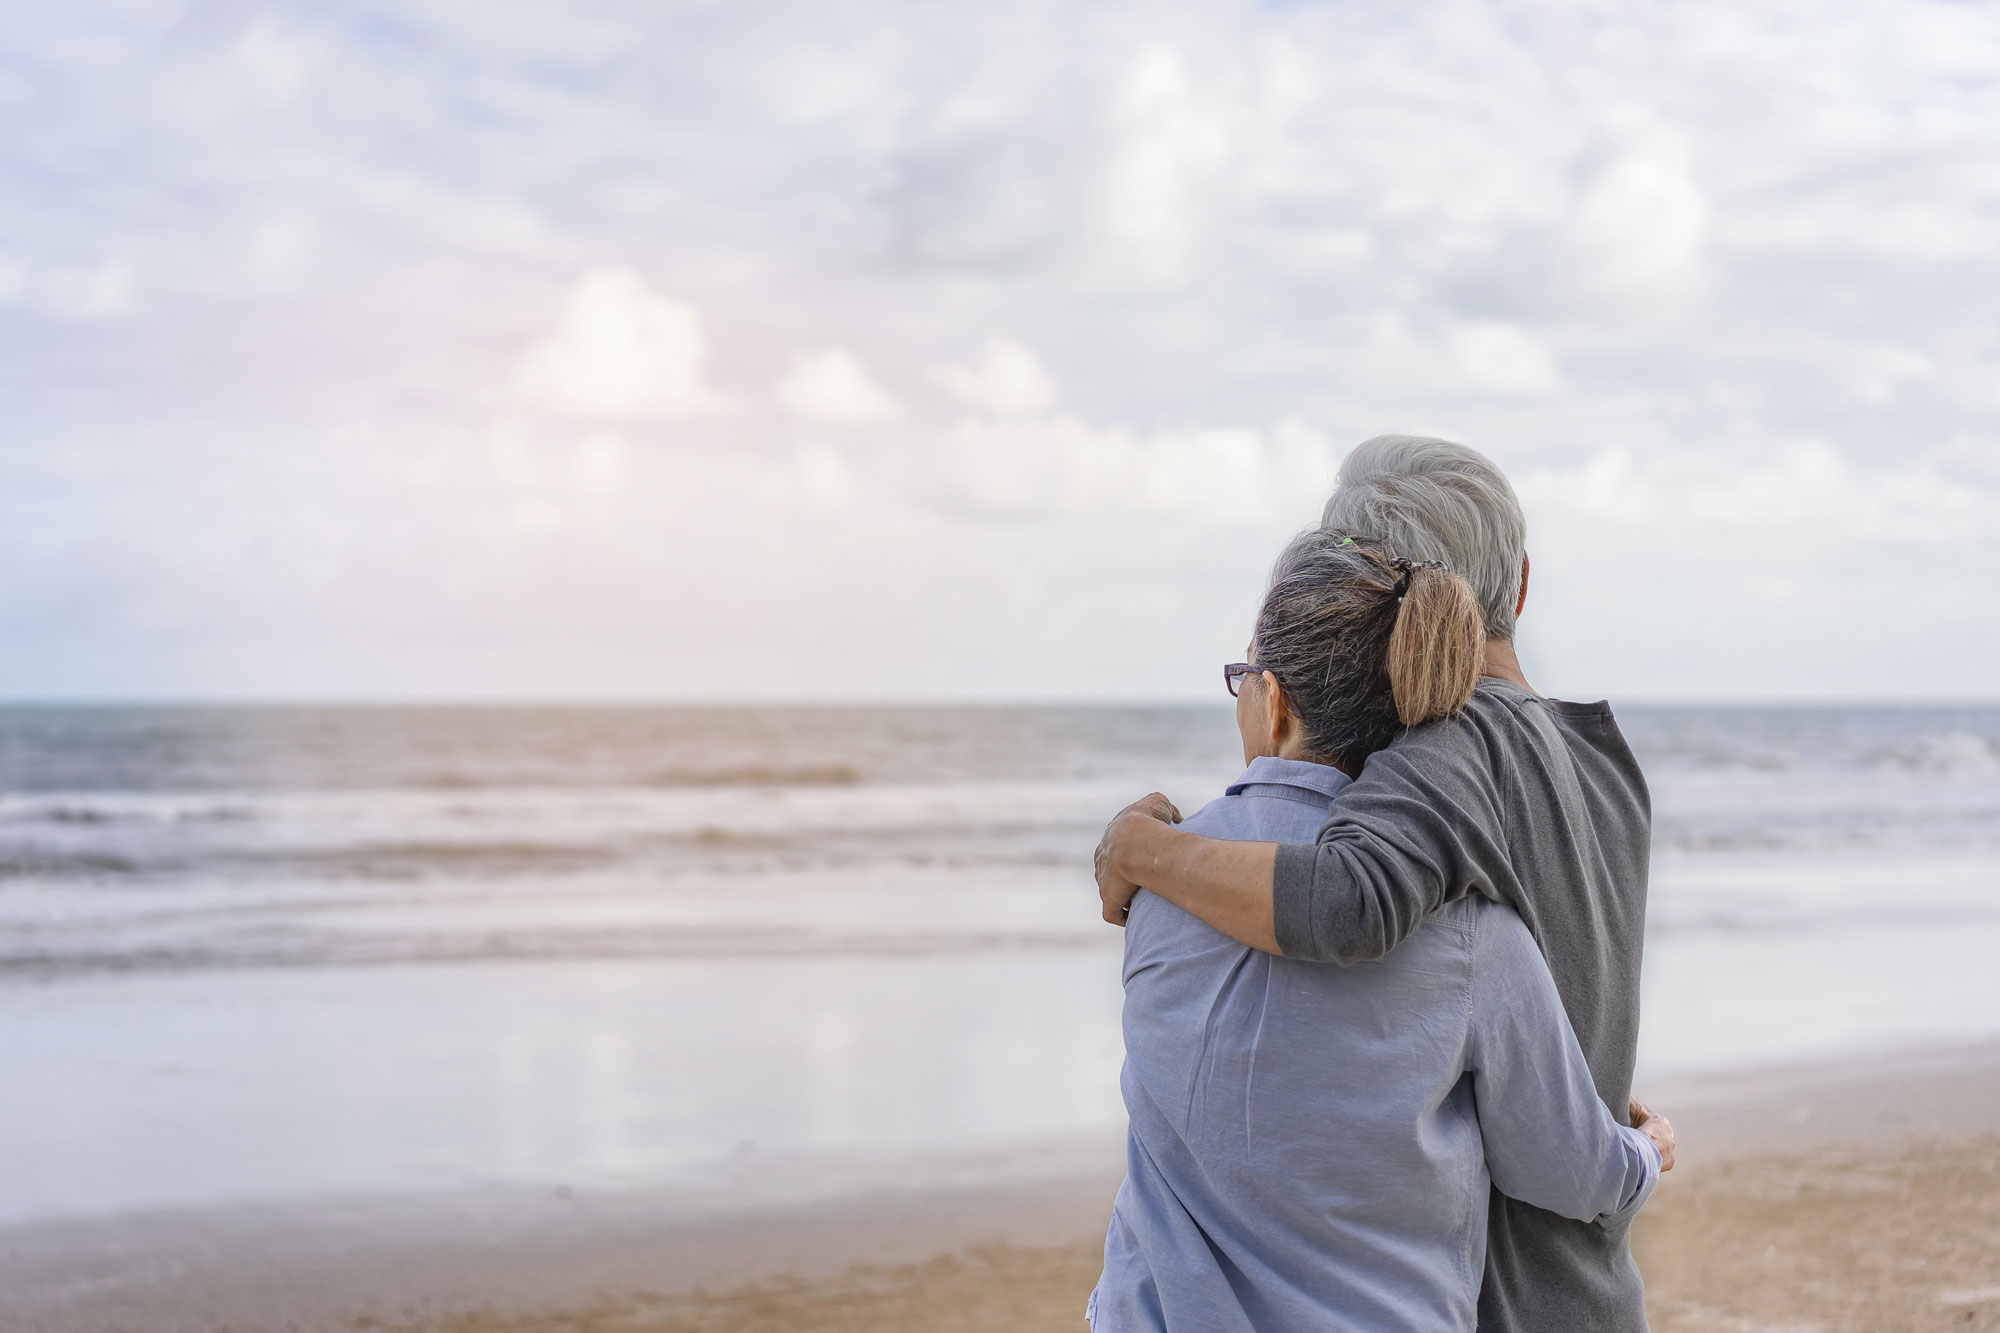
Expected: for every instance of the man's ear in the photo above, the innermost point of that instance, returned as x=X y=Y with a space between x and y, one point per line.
x=1524 y=586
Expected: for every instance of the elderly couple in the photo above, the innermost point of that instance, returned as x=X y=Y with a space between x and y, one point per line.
x=1382 y=997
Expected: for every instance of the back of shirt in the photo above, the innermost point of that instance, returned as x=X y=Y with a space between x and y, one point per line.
x=1538 y=804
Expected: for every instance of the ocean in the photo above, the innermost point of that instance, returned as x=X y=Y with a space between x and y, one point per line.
x=258 y=954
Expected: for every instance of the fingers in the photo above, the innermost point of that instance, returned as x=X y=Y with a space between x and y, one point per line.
x=1113 y=890
x=1657 y=1128
x=1117 y=900
x=1154 y=806
x=1664 y=1141
x=1114 y=893
x=1103 y=866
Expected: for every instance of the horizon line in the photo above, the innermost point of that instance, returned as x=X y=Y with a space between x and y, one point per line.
x=498 y=701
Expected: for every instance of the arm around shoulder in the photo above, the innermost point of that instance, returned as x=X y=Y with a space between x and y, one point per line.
x=1392 y=850
x=1226 y=884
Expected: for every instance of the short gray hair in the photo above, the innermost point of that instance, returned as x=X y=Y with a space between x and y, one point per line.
x=1430 y=499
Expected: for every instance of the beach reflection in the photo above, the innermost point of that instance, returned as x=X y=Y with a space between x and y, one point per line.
x=213 y=1088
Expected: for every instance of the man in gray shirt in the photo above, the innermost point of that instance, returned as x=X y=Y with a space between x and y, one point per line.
x=1525 y=801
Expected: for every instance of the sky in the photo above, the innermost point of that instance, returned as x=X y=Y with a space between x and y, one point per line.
x=910 y=351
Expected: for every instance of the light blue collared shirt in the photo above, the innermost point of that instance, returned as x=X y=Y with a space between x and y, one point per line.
x=1311 y=1146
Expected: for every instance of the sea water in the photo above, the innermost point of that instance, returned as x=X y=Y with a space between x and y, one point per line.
x=270 y=954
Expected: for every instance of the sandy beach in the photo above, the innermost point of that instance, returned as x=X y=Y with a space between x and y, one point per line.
x=1829 y=1197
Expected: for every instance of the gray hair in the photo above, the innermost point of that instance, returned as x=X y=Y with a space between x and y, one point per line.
x=1431 y=499
x=1365 y=642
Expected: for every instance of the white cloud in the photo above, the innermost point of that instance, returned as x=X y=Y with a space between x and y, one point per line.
x=601 y=464
x=1504 y=358
x=102 y=291
x=84 y=292
x=548 y=482
x=1789 y=508
x=1205 y=477
x=822 y=478
x=1115 y=176
x=1878 y=374
x=1006 y=379
x=619 y=351
x=274 y=61
x=1639 y=227
x=1164 y=148
x=832 y=385
x=275 y=249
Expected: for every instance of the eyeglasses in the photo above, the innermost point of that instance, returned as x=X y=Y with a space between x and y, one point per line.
x=1233 y=674
x=1232 y=680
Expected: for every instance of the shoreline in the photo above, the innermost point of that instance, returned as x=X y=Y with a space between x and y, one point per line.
x=531 y=1260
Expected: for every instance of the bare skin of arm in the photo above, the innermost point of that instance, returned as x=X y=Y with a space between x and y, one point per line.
x=1226 y=884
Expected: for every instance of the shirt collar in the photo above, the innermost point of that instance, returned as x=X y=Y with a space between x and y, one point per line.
x=1318 y=783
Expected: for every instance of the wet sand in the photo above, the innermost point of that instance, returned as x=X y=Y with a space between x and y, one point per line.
x=1814 y=1199
x=1861 y=1239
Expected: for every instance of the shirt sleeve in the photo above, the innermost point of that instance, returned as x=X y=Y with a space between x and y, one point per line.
x=1419 y=828
x=1549 y=1139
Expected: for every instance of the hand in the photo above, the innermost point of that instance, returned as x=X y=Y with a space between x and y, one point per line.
x=1113 y=889
x=1655 y=1127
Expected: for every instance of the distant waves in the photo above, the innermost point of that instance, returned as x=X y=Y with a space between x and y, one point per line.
x=178 y=840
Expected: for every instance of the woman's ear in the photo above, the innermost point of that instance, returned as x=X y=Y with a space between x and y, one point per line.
x=1277 y=715
x=1524 y=587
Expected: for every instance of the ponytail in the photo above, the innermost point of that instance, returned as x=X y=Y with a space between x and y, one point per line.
x=1436 y=648
x=1365 y=643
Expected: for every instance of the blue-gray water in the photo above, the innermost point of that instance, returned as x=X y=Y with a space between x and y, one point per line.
x=274 y=952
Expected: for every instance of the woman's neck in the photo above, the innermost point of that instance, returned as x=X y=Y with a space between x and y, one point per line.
x=1295 y=749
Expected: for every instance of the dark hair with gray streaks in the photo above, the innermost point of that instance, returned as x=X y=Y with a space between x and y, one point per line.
x=1365 y=642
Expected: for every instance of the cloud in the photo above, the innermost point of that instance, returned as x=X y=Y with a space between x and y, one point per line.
x=602 y=463
x=823 y=478
x=275 y=61
x=1205 y=476
x=1006 y=379
x=619 y=351
x=84 y=292
x=831 y=385
x=1629 y=241
x=1503 y=358
x=1639 y=226
x=1713 y=284
x=1116 y=180
x=1793 y=508
x=1164 y=148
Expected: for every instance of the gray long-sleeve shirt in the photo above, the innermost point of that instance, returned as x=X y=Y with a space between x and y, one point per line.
x=1311 y=1146
x=1540 y=805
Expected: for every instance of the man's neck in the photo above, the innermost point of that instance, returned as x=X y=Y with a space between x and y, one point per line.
x=1501 y=664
